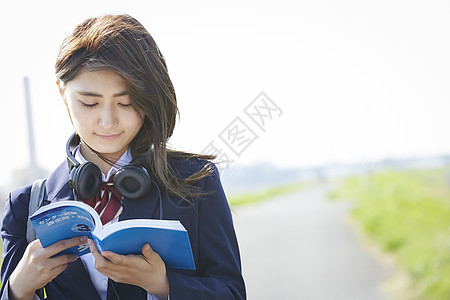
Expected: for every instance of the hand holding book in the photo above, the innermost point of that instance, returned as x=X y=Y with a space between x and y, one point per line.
x=147 y=270
x=66 y=219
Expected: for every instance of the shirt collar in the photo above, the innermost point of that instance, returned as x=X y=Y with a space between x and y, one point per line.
x=125 y=159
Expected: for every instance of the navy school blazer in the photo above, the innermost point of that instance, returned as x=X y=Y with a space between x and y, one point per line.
x=208 y=222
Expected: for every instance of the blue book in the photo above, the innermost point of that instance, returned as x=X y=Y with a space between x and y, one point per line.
x=66 y=219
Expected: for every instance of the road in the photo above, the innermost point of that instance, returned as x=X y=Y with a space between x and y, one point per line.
x=300 y=246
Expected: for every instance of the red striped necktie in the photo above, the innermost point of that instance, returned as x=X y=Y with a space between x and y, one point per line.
x=107 y=202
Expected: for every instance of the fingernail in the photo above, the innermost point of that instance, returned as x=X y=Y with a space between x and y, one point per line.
x=83 y=238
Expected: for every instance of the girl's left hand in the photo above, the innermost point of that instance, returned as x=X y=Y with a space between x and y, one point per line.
x=147 y=271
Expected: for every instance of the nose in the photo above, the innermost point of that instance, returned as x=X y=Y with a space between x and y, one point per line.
x=108 y=118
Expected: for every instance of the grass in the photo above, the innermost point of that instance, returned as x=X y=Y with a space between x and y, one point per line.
x=408 y=213
x=254 y=197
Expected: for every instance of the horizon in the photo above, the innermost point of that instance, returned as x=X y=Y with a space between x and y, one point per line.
x=257 y=176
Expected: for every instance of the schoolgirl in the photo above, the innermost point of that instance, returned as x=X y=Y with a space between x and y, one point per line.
x=114 y=82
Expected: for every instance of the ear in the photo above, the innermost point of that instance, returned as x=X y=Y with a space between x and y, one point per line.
x=61 y=91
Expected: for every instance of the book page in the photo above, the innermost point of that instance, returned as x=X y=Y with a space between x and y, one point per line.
x=144 y=223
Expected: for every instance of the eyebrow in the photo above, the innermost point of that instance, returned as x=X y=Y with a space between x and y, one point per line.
x=91 y=94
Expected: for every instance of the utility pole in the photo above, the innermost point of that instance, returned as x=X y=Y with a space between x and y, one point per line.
x=33 y=171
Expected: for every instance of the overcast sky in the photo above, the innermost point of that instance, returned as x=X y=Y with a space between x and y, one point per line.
x=343 y=81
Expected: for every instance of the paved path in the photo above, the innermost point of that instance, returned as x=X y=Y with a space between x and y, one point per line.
x=299 y=246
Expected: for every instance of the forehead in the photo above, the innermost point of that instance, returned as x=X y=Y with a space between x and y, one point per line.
x=97 y=81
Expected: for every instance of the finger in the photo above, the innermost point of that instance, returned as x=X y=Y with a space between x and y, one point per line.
x=113 y=257
x=102 y=265
x=147 y=251
x=93 y=248
x=56 y=271
x=100 y=261
x=65 y=244
x=61 y=260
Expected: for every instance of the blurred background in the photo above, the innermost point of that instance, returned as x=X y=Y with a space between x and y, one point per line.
x=282 y=91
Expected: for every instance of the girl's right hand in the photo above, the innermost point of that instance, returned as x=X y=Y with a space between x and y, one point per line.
x=37 y=266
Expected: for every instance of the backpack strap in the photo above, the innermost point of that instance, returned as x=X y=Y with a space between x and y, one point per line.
x=36 y=199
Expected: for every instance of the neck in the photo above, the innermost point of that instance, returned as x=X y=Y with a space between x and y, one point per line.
x=93 y=157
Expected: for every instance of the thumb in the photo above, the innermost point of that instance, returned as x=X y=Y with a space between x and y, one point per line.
x=147 y=250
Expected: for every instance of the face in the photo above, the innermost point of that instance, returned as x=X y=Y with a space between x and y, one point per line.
x=101 y=113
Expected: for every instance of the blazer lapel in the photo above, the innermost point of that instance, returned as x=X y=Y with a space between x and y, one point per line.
x=143 y=208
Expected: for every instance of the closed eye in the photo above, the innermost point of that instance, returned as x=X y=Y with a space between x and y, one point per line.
x=125 y=105
x=89 y=105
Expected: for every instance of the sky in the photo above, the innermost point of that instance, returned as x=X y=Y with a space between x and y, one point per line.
x=291 y=83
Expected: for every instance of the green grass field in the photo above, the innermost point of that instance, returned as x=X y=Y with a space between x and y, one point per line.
x=408 y=213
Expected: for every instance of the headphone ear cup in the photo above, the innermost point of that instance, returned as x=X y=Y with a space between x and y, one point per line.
x=85 y=180
x=132 y=181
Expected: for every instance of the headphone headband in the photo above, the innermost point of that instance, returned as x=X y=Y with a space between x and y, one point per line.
x=73 y=141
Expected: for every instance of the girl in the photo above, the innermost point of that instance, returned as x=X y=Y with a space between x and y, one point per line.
x=114 y=82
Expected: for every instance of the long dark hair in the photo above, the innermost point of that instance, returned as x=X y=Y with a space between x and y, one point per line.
x=121 y=44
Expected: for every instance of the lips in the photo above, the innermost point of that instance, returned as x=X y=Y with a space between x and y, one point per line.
x=108 y=137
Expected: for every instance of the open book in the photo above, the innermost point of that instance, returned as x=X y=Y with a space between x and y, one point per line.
x=67 y=219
